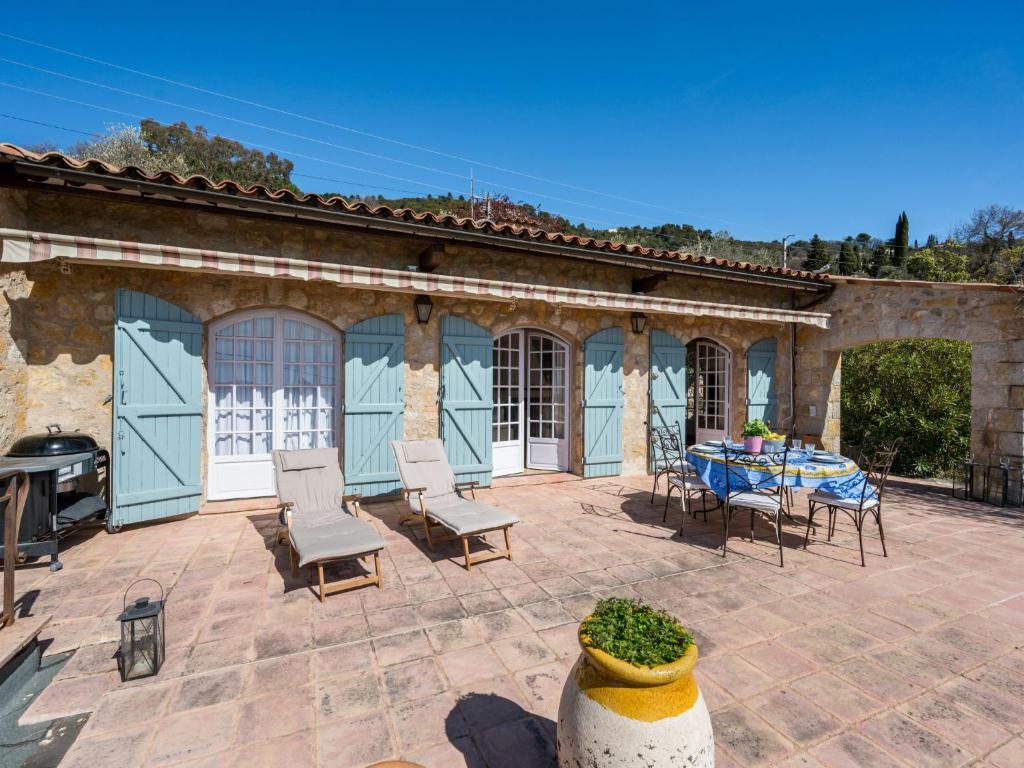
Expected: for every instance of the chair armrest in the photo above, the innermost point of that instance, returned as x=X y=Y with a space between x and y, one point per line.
x=353 y=499
x=470 y=484
x=285 y=512
x=408 y=497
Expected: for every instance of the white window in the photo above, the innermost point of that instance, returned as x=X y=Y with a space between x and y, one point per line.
x=273 y=384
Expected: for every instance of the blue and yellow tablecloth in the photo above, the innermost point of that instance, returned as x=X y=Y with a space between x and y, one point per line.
x=843 y=479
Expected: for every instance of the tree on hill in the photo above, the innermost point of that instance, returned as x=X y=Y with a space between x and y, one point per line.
x=901 y=242
x=817 y=256
x=849 y=262
x=186 y=151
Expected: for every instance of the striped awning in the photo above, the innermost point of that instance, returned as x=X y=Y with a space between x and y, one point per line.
x=26 y=247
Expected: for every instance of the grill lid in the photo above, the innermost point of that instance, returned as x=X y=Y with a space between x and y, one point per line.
x=55 y=442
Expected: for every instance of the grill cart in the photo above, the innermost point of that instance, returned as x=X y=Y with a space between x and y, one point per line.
x=63 y=470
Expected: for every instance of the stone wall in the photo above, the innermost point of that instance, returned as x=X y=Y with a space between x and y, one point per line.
x=866 y=311
x=58 y=328
x=68 y=354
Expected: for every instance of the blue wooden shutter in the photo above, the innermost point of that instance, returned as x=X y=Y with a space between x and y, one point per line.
x=761 y=399
x=668 y=381
x=467 y=398
x=374 y=403
x=602 y=403
x=158 y=409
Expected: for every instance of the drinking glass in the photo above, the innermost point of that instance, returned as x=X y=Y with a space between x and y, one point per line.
x=796 y=444
x=810 y=447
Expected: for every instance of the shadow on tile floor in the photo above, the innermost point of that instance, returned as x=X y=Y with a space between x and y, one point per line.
x=501 y=734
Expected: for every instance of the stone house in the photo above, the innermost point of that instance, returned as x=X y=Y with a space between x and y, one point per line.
x=193 y=326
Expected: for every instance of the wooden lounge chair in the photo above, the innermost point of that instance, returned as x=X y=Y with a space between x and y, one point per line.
x=435 y=498
x=323 y=524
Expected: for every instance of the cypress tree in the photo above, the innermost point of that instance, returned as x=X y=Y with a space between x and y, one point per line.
x=817 y=256
x=848 y=258
x=901 y=243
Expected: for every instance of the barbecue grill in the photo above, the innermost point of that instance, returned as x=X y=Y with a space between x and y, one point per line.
x=61 y=467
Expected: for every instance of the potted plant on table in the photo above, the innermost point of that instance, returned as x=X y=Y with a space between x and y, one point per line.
x=754 y=433
x=632 y=692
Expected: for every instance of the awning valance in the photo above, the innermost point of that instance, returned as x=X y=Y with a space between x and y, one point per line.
x=25 y=247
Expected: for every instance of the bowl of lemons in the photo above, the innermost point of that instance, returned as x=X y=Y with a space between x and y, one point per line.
x=773 y=442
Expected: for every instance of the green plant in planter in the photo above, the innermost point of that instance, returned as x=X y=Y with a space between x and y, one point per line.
x=635 y=632
x=756 y=428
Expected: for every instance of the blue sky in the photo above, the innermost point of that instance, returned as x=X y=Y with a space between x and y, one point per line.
x=763 y=120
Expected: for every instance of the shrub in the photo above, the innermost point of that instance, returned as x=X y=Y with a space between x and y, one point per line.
x=917 y=390
x=635 y=632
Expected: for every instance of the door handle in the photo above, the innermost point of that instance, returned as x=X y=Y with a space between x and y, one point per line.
x=122 y=387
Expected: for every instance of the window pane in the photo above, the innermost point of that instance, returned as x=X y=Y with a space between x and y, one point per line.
x=223 y=421
x=263 y=327
x=223 y=396
x=223 y=445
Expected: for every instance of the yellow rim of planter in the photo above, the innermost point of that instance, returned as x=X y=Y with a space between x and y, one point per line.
x=638 y=693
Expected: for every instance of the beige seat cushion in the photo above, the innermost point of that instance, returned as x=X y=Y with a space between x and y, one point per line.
x=760 y=501
x=345 y=536
x=689 y=483
x=832 y=500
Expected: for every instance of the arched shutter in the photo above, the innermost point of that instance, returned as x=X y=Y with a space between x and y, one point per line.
x=761 y=399
x=602 y=403
x=467 y=398
x=158 y=409
x=668 y=381
x=374 y=403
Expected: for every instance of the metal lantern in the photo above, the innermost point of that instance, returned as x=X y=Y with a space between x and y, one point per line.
x=423 y=306
x=638 y=320
x=142 y=635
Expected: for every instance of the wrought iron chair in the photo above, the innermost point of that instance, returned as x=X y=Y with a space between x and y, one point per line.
x=876 y=467
x=684 y=479
x=662 y=464
x=764 y=496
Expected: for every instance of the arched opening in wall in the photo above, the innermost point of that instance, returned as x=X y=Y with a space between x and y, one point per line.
x=273 y=383
x=708 y=391
x=531 y=402
x=918 y=390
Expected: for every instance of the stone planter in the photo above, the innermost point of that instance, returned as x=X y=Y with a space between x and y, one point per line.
x=615 y=715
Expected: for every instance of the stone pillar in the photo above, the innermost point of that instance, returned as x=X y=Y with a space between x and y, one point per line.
x=997 y=398
x=635 y=365
x=13 y=352
x=818 y=383
x=422 y=375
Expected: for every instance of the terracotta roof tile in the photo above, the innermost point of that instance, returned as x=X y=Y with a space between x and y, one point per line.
x=512 y=231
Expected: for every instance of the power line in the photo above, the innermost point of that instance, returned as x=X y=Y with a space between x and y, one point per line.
x=291 y=134
x=47 y=125
x=266 y=147
x=378 y=137
x=355 y=183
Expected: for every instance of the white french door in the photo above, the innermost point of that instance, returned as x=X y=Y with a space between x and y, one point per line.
x=531 y=408
x=712 y=391
x=273 y=379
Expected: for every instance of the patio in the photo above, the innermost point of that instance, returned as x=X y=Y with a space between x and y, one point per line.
x=914 y=660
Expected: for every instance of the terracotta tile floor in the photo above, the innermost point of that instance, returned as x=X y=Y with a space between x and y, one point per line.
x=915 y=660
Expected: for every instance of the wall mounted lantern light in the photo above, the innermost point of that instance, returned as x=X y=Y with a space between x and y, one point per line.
x=639 y=321
x=424 y=306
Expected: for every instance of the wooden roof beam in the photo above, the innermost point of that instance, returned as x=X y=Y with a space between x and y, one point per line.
x=648 y=283
x=430 y=257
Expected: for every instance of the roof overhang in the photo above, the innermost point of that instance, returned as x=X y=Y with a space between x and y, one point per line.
x=24 y=247
x=61 y=179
